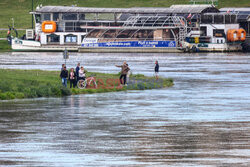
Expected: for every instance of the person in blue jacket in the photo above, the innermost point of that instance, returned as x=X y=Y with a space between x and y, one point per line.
x=77 y=71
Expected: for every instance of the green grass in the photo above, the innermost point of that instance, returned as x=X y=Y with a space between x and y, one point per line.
x=3 y=33
x=19 y=9
x=4 y=46
x=36 y=83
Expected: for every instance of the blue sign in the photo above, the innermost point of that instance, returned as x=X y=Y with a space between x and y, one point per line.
x=132 y=44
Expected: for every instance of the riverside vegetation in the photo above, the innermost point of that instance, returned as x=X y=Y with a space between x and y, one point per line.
x=4 y=46
x=37 y=83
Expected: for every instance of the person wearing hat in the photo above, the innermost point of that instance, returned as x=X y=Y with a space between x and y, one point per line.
x=124 y=72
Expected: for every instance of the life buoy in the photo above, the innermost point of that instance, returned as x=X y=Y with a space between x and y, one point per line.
x=232 y=35
x=49 y=26
x=241 y=34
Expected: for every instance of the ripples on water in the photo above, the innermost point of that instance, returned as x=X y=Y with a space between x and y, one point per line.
x=204 y=120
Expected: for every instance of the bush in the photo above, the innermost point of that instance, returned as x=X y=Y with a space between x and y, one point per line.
x=56 y=91
x=65 y=91
x=141 y=86
x=3 y=96
x=7 y=96
x=43 y=91
x=19 y=95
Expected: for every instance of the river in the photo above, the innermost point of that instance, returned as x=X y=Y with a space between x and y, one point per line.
x=203 y=120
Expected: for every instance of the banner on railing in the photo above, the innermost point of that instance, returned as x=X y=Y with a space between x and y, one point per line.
x=132 y=44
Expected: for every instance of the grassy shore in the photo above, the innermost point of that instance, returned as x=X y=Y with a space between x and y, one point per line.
x=4 y=46
x=36 y=83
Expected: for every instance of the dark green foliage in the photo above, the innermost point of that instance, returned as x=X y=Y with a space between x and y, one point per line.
x=4 y=46
x=30 y=84
x=65 y=91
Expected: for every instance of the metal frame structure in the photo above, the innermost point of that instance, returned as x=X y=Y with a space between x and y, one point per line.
x=142 y=22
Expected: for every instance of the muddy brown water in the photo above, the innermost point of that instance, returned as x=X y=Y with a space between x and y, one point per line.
x=203 y=120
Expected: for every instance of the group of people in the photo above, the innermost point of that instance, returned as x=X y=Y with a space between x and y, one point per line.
x=73 y=76
x=79 y=74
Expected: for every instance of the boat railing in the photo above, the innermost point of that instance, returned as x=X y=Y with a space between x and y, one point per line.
x=133 y=39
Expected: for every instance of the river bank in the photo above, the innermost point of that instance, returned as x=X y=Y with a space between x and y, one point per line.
x=37 y=83
x=4 y=46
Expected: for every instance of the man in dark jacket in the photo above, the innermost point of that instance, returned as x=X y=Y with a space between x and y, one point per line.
x=64 y=76
x=157 y=70
x=124 y=72
x=77 y=71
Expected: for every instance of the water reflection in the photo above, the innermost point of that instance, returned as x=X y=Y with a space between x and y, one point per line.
x=202 y=121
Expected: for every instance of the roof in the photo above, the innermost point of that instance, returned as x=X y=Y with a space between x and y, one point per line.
x=69 y=9
x=235 y=9
x=172 y=9
x=243 y=14
x=192 y=8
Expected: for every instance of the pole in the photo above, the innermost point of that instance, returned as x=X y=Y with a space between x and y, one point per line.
x=13 y=22
x=32 y=24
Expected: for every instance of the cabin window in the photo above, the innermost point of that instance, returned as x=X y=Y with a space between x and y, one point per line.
x=53 y=38
x=218 y=33
x=218 y=41
x=82 y=17
x=38 y=18
x=233 y=19
x=203 y=31
x=46 y=16
x=70 y=38
x=69 y=26
x=105 y=16
x=69 y=16
x=218 y=19
x=90 y=16
x=207 y=18
x=55 y=16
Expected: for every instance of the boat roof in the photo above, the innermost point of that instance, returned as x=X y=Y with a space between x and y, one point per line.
x=243 y=14
x=235 y=9
x=143 y=10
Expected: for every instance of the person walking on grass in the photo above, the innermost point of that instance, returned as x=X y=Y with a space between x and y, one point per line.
x=64 y=76
x=124 y=72
x=157 y=70
x=77 y=71
x=72 y=78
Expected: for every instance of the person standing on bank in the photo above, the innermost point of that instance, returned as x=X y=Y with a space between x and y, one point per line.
x=124 y=72
x=64 y=76
x=82 y=74
x=157 y=70
x=72 y=78
x=77 y=71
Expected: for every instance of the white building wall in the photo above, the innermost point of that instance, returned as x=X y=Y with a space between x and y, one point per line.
x=43 y=38
x=225 y=27
x=61 y=39
x=79 y=39
x=62 y=34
